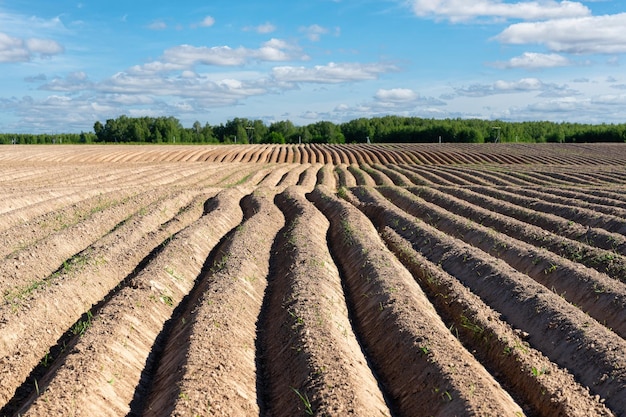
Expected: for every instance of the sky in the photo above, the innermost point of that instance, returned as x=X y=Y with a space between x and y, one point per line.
x=66 y=64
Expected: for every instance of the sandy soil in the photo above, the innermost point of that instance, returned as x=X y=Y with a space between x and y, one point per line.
x=329 y=280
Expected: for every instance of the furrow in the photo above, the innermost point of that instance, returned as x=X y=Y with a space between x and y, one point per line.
x=27 y=268
x=113 y=351
x=544 y=388
x=32 y=323
x=565 y=334
x=585 y=195
x=311 y=361
x=580 y=215
x=326 y=176
x=396 y=176
x=599 y=296
x=412 y=176
x=344 y=176
x=556 y=224
x=379 y=177
x=429 y=372
x=55 y=218
x=362 y=177
x=208 y=361
x=608 y=262
x=575 y=201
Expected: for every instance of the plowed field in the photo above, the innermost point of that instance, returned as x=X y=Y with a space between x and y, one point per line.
x=330 y=280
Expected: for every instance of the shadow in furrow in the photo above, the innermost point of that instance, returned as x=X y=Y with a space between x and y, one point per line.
x=350 y=296
x=38 y=379
x=267 y=313
x=148 y=386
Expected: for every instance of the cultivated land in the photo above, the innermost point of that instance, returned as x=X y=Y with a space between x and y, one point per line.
x=402 y=280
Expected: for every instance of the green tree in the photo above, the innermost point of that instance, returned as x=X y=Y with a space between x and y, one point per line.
x=275 y=137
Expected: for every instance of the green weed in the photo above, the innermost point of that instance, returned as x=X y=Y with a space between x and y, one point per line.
x=81 y=326
x=308 y=408
x=167 y=300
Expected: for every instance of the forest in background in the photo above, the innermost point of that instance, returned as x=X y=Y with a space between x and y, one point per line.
x=387 y=129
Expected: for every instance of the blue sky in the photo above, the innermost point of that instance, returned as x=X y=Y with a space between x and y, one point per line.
x=65 y=64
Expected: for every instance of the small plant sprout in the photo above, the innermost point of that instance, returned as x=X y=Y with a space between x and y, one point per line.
x=168 y=300
x=46 y=360
x=538 y=372
x=81 y=326
x=308 y=409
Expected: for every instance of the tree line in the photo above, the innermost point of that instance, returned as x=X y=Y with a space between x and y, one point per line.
x=387 y=129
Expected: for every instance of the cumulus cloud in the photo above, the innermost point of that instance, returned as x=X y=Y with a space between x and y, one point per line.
x=332 y=73
x=525 y=85
x=610 y=99
x=44 y=47
x=561 y=105
x=187 y=56
x=205 y=91
x=464 y=10
x=396 y=95
x=400 y=101
x=22 y=50
x=583 y=35
x=56 y=112
x=75 y=81
x=533 y=60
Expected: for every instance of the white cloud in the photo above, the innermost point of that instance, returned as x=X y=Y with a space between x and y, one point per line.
x=524 y=85
x=154 y=67
x=186 y=56
x=399 y=101
x=610 y=99
x=533 y=60
x=22 y=50
x=190 y=86
x=561 y=105
x=75 y=81
x=278 y=50
x=35 y=78
x=584 y=35
x=465 y=10
x=314 y=32
x=44 y=47
x=207 y=22
x=157 y=25
x=396 y=95
x=332 y=73
x=265 y=28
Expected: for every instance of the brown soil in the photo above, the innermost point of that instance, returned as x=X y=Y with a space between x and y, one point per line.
x=282 y=280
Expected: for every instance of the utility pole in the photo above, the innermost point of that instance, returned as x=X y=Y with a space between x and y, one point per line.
x=497 y=129
x=250 y=131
